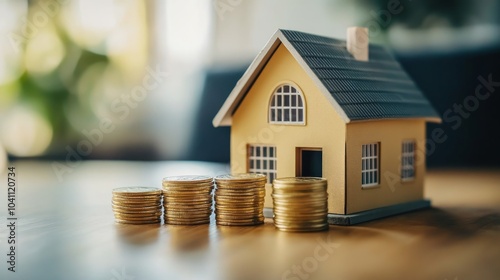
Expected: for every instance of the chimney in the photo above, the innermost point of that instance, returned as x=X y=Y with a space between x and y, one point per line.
x=357 y=42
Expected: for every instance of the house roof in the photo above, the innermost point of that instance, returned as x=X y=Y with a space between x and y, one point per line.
x=358 y=90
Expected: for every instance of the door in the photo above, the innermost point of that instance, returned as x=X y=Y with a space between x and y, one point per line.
x=309 y=162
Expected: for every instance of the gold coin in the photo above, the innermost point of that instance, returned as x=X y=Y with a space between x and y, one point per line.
x=187 y=200
x=174 y=193
x=200 y=198
x=188 y=210
x=300 y=213
x=136 y=191
x=239 y=206
x=187 y=190
x=241 y=177
x=243 y=218
x=173 y=212
x=188 y=206
x=136 y=200
x=293 y=193
x=299 y=180
x=139 y=219
x=137 y=195
x=243 y=203
x=192 y=187
x=185 y=210
x=232 y=223
x=237 y=197
x=300 y=220
x=300 y=223
x=187 y=223
x=136 y=209
x=299 y=229
x=137 y=222
x=136 y=212
x=295 y=204
x=242 y=195
x=189 y=197
x=259 y=204
x=240 y=188
x=187 y=203
x=246 y=222
x=187 y=194
x=187 y=179
x=187 y=213
x=185 y=219
x=135 y=206
x=305 y=204
x=134 y=218
x=127 y=215
x=239 y=202
x=238 y=212
x=188 y=187
x=241 y=185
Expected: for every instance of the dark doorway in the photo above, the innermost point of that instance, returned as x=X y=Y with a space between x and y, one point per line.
x=310 y=163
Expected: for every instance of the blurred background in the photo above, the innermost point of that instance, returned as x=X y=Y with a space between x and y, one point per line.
x=142 y=80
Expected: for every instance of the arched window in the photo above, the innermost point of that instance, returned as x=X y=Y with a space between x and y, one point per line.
x=287 y=106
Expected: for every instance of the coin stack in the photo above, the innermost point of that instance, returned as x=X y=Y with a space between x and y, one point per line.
x=239 y=199
x=300 y=204
x=187 y=199
x=137 y=205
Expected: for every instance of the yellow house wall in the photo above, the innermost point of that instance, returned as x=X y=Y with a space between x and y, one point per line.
x=390 y=134
x=324 y=128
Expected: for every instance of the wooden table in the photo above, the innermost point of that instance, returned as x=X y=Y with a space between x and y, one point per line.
x=66 y=231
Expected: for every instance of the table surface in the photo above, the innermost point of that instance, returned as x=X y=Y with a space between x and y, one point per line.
x=66 y=230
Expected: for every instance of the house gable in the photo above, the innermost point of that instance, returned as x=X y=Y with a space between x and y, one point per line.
x=224 y=116
x=358 y=90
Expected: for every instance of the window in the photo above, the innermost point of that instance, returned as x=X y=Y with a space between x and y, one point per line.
x=370 y=165
x=408 y=161
x=287 y=106
x=262 y=159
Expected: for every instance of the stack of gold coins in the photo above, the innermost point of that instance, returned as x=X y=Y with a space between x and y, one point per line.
x=187 y=199
x=137 y=205
x=239 y=199
x=300 y=204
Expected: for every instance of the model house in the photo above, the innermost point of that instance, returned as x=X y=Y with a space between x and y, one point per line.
x=343 y=110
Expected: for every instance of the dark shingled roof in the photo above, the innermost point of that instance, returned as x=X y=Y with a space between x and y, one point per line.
x=374 y=89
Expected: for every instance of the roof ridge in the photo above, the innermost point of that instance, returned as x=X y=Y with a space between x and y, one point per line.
x=321 y=36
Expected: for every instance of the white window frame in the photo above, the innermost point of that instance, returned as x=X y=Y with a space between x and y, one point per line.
x=370 y=165
x=278 y=106
x=408 y=148
x=262 y=159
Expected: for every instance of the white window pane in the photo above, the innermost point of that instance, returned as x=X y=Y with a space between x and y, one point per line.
x=286 y=106
x=263 y=161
